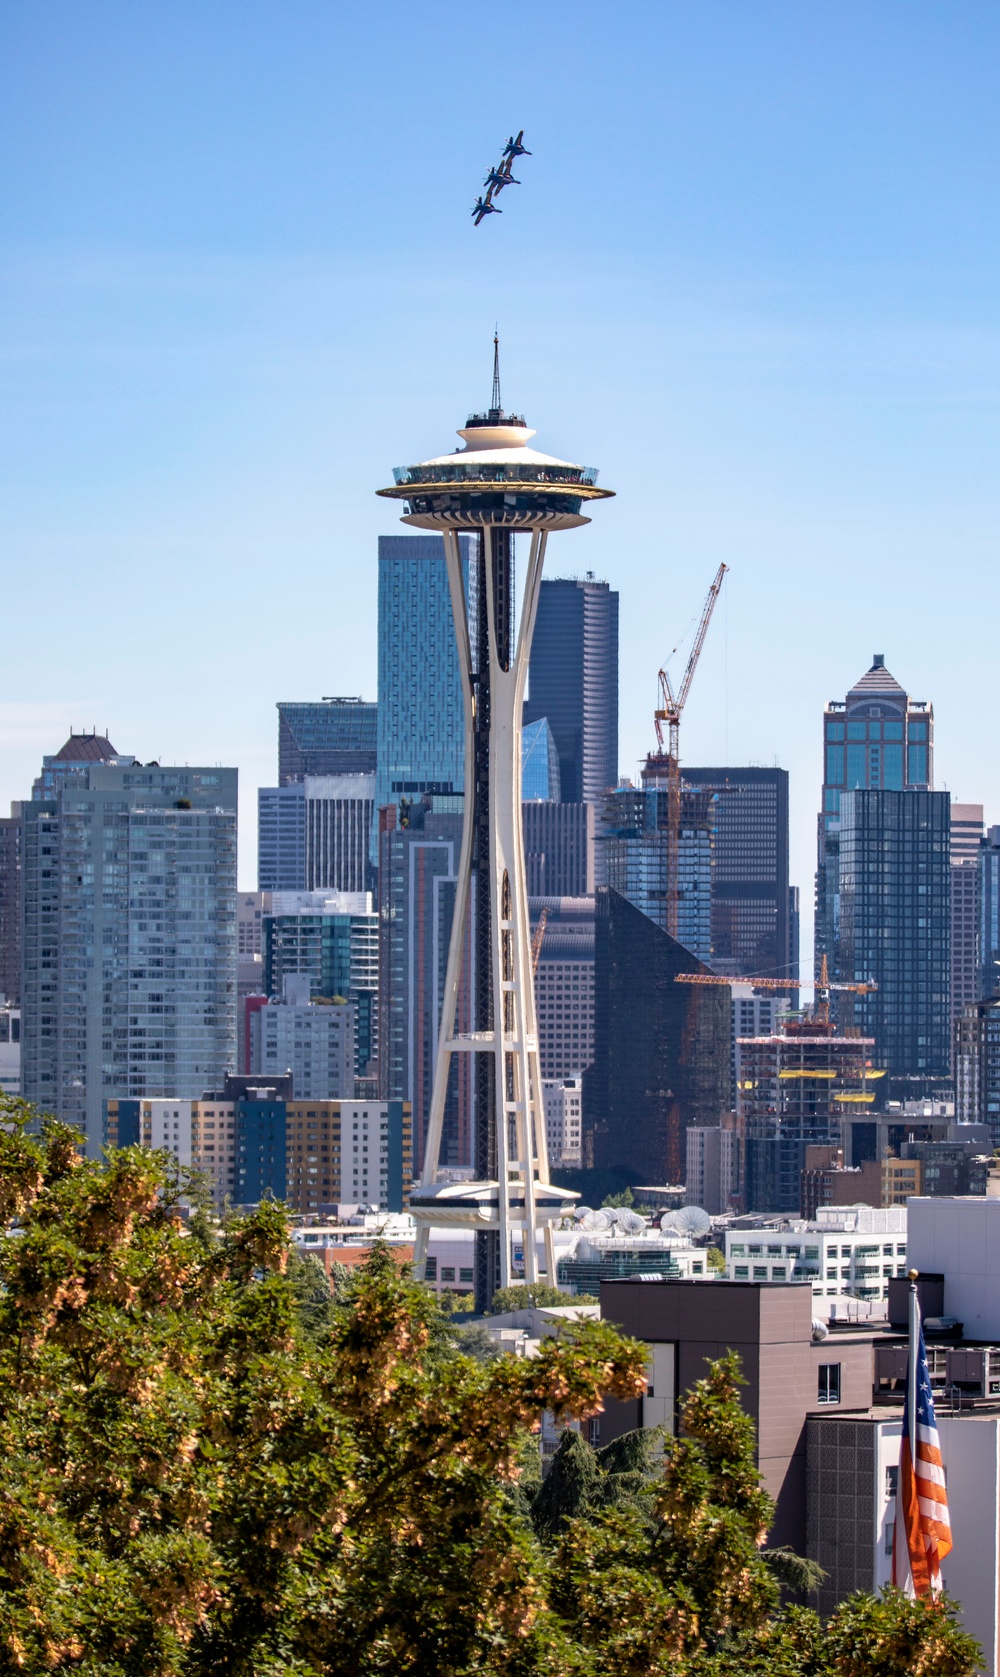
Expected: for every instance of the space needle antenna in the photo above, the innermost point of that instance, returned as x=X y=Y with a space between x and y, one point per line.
x=496 y=405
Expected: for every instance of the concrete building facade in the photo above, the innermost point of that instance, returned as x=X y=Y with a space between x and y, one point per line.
x=129 y=935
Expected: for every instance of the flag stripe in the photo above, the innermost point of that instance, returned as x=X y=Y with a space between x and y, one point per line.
x=922 y=1533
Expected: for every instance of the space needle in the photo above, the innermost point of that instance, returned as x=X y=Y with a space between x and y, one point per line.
x=493 y=488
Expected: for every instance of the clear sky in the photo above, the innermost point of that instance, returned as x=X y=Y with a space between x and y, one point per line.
x=751 y=273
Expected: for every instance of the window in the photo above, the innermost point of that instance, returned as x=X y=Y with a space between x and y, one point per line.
x=741 y=1272
x=448 y=1273
x=760 y=1272
x=466 y=1275
x=891 y=1481
x=829 y=1383
x=431 y=1269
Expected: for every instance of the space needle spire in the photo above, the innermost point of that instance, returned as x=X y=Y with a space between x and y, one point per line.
x=492 y=488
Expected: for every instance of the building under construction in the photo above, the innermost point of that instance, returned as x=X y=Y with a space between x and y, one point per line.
x=794 y=1090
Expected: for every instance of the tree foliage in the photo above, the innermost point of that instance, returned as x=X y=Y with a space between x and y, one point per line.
x=210 y=1468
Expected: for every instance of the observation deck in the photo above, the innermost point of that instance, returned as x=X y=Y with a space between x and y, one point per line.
x=495 y=479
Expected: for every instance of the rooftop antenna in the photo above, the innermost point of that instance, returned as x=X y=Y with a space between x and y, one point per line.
x=496 y=373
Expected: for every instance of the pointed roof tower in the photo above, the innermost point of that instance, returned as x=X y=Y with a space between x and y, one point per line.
x=877 y=683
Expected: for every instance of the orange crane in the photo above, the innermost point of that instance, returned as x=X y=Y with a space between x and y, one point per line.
x=665 y=765
x=822 y=986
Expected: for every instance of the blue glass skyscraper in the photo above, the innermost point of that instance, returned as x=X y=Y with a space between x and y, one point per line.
x=421 y=720
x=877 y=739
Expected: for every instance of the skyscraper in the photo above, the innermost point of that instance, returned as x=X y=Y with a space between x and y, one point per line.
x=421 y=721
x=661 y=1049
x=539 y=763
x=339 y=814
x=751 y=925
x=326 y=736
x=558 y=849
x=573 y=681
x=635 y=841
x=564 y=984
x=129 y=933
x=281 y=837
x=418 y=870
x=895 y=928
x=988 y=915
x=966 y=841
x=877 y=739
x=332 y=937
x=10 y=905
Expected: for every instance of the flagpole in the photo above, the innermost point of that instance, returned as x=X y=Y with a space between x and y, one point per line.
x=912 y=1365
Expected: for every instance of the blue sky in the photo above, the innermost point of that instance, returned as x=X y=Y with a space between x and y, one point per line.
x=751 y=273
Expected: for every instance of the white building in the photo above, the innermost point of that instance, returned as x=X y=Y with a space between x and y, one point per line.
x=199 y=1134
x=563 y=1101
x=315 y=1041
x=10 y=1049
x=339 y=812
x=850 y=1251
x=852 y=1462
x=712 y=1171
x=251 y=907
x=959 y=1238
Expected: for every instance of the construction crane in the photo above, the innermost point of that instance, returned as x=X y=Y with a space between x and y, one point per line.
x=772 y=983
x=536 y=940
x=665 y=765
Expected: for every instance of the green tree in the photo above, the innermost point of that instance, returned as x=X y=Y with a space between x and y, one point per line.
x=625 y=1199
x=716 y=1260
x=198 y=1479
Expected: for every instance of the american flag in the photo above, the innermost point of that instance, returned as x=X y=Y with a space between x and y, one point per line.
x=922 y=1534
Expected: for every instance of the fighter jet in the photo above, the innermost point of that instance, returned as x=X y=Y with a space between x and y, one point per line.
x=514 y=148
x=497 y=179
x=483 y=207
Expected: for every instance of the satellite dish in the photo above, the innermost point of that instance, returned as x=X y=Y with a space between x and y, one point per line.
x=630 y=1222
x=690 y=1220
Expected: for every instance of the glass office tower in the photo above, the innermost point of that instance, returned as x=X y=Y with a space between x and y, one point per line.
x=895 y=927
x=326 y=736
x=573 y=681
x=421 y=717
x=876 y=739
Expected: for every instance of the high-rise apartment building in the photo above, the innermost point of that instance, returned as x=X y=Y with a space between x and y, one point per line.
x=661 y=1048
x=421 y=716
x=10 y=904
x=326 y=737
x=895 y=927
x=563 y=1101
x=564 y=985
x=315 y=1041
x=10 y=1049
x=712 y=1168
x=331 y=937
x=558 y=849
x=966 y=843
x=129 y=934
x=752 y=931
x=573 y=682
x=876 y=739
x=635 y=842
x=977 y=1066
x=418 y=869
x=988 y=916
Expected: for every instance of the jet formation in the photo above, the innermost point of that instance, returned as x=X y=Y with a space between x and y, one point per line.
x=498 y=178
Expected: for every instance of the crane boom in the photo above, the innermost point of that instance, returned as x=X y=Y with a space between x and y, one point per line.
x=670 y=711
x=862 y=989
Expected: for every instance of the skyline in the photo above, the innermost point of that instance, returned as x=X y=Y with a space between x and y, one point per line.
x=760 y=290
